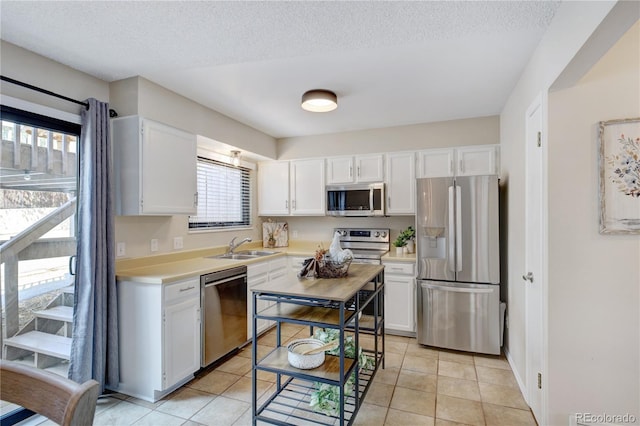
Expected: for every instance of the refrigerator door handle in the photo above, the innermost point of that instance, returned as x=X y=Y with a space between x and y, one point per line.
x=457 y=289
x=458 y=229
x=452 y=233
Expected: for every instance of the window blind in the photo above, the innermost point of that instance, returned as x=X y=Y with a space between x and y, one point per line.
x=223 y=196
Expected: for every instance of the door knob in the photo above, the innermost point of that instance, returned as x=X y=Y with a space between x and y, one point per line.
x=528 y=277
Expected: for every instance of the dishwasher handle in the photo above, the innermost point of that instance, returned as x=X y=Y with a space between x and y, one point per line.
x=226 y=280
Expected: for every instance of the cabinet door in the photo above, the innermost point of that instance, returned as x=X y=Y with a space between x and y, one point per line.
x=307 y=187
x=181 y=341
x=168 y=170
x=480 y=160
x=340 y=170
x=273 y=188
x=370 y=168
x=399 y=301
x=401 y=184
x=435 y=163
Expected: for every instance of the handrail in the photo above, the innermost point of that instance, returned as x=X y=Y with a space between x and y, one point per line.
x=25 y=238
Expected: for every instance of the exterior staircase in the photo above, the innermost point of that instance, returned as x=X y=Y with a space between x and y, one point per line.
x=45 y=342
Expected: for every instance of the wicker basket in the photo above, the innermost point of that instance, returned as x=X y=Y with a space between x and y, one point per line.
x=324 y=268
x=330 y=269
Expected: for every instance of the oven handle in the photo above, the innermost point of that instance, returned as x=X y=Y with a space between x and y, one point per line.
x=226 y=280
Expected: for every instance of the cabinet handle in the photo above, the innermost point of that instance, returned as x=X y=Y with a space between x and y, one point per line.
x=186 y=289
x=195 y=199
x=460 y=166
x=358 y=171
x=350 y=171
x=388 y=202
x=286 y=204
x=451 y=167
x=293 y=204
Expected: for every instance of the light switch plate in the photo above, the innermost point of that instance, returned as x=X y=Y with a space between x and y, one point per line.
x=177 y=243
x=154 y=244
x=121 y=249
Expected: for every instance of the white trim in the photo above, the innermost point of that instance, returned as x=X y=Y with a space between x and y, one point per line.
x=544 y=261
x=516 y=374
x=40 y=109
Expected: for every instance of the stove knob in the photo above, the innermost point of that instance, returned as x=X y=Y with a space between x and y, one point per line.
x=384 y=234
x=343 y=233
x=376 y=234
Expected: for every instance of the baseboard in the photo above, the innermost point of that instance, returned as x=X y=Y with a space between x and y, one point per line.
x=516 y=374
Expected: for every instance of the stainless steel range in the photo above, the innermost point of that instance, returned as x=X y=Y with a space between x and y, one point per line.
x=367 y=244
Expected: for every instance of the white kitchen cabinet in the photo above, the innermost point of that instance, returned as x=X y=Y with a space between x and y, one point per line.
x=273 y=188
x=477 y=160
x=461 y=161
x=261 y=273
x=159 y=336
x=399 y=298
x=291 y=188
x=155 y=168
x=307 y=188
x=436 y=163
x=401 y=184
x=358 y=169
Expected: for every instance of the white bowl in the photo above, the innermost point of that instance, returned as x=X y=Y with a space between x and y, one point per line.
x=305 y=362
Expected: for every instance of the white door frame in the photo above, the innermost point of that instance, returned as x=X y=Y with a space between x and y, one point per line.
x=540 y=102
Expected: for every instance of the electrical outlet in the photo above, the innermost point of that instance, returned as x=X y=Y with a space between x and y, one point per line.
x=121 y=249
x=154 y=244
x=294 y=233
x=177 y=243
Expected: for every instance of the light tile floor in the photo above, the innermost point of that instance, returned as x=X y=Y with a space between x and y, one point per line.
x=419 y=386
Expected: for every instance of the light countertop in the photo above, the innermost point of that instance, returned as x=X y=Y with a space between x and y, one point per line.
x=172 y=267
x=335 y=289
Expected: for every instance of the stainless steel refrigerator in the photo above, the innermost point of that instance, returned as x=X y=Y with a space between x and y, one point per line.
x=458 y=263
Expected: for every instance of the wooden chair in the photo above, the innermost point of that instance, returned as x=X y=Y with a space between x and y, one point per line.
x=55 y=397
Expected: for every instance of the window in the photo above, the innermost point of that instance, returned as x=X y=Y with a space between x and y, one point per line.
x=224 y=196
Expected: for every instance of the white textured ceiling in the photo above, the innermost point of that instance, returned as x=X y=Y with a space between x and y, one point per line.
x=390 y=63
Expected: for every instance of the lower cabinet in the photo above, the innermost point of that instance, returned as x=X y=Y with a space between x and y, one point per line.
x=159 y=336
x=400 y=298
x=262 y=273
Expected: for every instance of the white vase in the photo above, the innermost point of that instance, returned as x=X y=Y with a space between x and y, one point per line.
x=399 y=250
x=409 y=246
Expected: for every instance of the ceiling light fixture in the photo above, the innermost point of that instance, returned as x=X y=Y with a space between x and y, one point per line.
x=319 y=100
x=235 y=158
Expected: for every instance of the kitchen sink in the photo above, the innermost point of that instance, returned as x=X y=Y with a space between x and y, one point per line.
x=243 y=255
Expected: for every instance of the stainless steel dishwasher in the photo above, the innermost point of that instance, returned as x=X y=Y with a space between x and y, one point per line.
x=223 y=297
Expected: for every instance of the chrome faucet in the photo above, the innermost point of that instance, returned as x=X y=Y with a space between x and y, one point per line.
x=233 y=245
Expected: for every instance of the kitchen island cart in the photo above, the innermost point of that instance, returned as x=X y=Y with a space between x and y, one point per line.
x=335 y=305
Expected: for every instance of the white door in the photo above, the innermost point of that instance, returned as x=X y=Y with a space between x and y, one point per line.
x=273 y=188
x=181 y=341
x=435 y=163
x=340 y=170
x=370 y=168
x=401 y=183
x=307 y=187
x=533 y=276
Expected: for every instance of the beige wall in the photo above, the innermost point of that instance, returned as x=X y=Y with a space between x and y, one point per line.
x=472 y=131
x=571 y=29
x=594 y=279
x=28 y=67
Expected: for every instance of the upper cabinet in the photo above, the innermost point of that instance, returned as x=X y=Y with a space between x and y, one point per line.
x=358 y=169
x=401 y=183
x=462 y=161
x=291 y=188
x=273 y=188
x=155 y=168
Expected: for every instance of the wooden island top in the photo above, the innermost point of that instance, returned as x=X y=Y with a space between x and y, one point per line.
x=333 y=289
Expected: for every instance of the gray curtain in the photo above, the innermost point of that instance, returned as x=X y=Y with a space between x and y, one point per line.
x=94 y=350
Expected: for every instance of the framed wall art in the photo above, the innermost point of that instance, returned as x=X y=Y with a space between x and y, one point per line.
x=619 y=158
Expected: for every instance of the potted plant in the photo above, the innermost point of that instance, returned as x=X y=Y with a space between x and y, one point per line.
x=400 y=242
x=409 y=237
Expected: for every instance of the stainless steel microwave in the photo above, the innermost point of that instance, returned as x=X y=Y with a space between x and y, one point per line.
x=355 y=200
